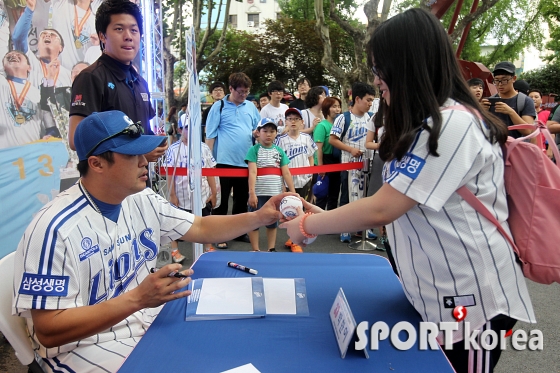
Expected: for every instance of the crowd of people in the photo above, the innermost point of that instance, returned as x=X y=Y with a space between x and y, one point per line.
x=84 y=277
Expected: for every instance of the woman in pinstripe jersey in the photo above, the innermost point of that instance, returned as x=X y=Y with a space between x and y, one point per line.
x=437 y=138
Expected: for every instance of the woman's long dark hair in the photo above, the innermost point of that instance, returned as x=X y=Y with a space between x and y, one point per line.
x=415 y=58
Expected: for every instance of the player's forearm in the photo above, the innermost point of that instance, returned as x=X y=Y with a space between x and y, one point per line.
x=212 y=184
x=221 y=228
x=58 y=327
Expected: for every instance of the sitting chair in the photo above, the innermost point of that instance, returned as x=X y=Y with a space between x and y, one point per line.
x=14 y=328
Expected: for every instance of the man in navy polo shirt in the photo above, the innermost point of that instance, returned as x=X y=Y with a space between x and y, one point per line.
x=112 y=83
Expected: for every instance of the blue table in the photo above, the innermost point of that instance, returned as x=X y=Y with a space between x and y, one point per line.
x=287 y=343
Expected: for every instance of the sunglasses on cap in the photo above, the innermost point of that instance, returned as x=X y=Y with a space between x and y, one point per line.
x=133 y=130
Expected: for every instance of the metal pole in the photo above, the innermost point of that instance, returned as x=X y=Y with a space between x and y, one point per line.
x=364 y=244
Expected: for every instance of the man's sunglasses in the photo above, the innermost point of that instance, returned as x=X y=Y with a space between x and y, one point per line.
x=132 y=130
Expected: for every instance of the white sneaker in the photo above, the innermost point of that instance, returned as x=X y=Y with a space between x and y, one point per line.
x=177 y=257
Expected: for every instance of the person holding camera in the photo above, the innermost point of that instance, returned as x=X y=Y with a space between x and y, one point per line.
x=511 y=107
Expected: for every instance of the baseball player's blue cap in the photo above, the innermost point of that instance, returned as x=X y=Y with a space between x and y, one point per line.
x=263 y=122
x=321 y=187
x=293 y=110
x=112 y=131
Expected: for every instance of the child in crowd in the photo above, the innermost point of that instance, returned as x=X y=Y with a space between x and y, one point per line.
x=331 y=108
x=261 y=188
x=275 y=109
x=264 y=99
x=350 y=138
x=477 y=88
x=180 y=193
x=299 y=148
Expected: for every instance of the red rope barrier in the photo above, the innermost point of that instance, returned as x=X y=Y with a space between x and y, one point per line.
x=237 y=172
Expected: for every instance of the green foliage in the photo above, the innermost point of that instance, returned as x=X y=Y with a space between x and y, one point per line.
x=304 y=10
x=546 y=79
x=551 y=13
x=285 y=51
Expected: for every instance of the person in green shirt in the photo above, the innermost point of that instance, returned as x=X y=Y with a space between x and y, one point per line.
x=331 y=108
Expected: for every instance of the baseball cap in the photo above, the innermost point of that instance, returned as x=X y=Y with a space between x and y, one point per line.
x=293 y=110
x=112 y=131
x=266 y=121
x=505 y=66
x=321 y=187
x=521 y=86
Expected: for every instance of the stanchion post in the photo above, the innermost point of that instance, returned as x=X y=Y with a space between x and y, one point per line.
x=364 y=244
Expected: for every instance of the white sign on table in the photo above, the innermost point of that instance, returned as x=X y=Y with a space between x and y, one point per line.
x=343 y=323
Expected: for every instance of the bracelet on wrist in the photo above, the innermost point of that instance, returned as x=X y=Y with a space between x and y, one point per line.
x=302 y=230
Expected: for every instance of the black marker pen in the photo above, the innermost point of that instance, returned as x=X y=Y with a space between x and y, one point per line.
x=172 y=274
x=242 y=268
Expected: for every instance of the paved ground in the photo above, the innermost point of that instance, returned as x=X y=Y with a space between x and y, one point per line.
x=546 y=300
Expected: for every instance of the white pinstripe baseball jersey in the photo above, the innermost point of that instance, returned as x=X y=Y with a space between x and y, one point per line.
x=447 y=254
x=178 y=156
x=355 y=135
x=298 y=151
x=71 y=256
x=36 y=75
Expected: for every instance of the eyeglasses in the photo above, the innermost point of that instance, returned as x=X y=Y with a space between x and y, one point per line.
x=243 y=93
x=501 y=81
x=219 y=90
x=133 y=130
x=51 y=34
x=277 y=91
x=293 y=119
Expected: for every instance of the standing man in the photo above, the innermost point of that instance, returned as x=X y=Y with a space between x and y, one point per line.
x=229 y=134
x=515 y=108
x=112 y=83
x=303 y=86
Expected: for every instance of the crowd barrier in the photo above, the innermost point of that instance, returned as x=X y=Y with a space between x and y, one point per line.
x=237 y=172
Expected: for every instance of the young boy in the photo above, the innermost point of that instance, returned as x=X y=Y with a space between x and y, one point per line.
x=299 y=148
x=275 y=109
x=180 y=193
x=352 y=144
x=261 y=188
x=476 y=86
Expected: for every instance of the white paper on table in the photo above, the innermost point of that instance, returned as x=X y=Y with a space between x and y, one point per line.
x=247 y=368
x=226 y=296
x=280 y=296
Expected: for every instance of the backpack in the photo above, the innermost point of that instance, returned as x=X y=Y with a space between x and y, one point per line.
x=532 y=183
x=347 y=120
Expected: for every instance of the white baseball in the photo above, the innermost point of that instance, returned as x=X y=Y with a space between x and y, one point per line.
x=289 y=205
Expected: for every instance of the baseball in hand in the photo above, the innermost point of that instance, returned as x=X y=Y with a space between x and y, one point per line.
x=289 y=205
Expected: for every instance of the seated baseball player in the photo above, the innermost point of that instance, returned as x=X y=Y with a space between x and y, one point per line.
x=82 y=269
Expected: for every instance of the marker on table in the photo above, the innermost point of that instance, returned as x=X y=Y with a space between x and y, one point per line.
x=242 y=268
x=172 y=274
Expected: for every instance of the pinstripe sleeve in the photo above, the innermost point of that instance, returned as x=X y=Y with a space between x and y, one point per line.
x=463 y=152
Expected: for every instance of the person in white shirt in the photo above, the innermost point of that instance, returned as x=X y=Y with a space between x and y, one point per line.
x=275 y=109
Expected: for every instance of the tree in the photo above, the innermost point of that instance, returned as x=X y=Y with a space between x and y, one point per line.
x=551 y=13
x=209 y=35
x=285 y=50
x=359 y=35
x=546 y=79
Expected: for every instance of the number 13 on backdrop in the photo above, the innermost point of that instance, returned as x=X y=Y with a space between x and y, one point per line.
x=29 y=178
